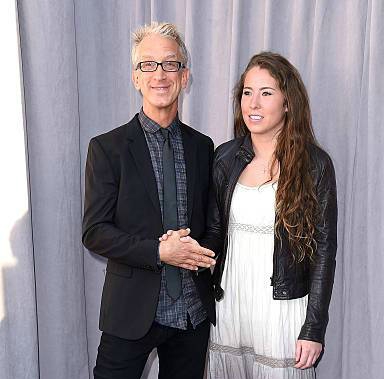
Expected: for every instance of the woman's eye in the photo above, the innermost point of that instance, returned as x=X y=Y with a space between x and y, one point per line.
x=266 y=93
x=246 y=93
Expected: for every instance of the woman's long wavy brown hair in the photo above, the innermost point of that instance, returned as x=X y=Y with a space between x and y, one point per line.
x=296 y=203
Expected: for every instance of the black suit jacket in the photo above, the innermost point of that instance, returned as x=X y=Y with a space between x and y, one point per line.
x=122 y=222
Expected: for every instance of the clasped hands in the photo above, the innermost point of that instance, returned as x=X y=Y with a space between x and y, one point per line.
x=177 y=248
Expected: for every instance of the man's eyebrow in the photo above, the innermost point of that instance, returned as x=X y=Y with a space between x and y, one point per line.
x=173 y=55
x=150 y=57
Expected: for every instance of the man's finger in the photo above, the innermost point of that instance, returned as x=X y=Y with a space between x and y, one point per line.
x=204 y=260
x=164 y=237
x=189 y=267
x=207 y=252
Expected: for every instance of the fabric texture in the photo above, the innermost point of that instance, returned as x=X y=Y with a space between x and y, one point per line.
x=289 y=281
x=182 y=353
x=122 y=222
x=172 y=273
x=171 y=312
x=255 y=336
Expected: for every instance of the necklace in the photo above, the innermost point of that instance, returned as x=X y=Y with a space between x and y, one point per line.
x=262 y=167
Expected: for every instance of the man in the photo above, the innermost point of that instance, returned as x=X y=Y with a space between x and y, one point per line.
x=143 y=178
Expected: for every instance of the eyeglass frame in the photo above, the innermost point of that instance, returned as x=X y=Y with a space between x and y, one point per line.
x=180 y=64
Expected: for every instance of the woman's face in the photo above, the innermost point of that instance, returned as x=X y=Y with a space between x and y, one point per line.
x=262 y=103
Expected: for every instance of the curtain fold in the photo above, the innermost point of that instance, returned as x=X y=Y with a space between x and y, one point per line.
x=49 y=61
x=18 y=318
x=76 y=70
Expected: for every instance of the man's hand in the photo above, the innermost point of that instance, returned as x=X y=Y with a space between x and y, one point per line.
x=180 y=232
x=178 y=249
x=307 y=353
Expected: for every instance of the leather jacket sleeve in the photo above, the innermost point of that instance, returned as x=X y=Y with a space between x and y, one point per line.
x=322 y=269
x=214 y=236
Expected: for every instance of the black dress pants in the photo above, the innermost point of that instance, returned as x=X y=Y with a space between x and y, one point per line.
x=181 y=353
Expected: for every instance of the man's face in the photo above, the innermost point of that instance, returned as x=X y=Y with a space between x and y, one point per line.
x=160 y=89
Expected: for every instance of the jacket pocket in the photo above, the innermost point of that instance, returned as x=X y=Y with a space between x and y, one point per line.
x=119 y=269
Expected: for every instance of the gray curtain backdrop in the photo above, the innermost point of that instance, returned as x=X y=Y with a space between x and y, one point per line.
x=76 y=75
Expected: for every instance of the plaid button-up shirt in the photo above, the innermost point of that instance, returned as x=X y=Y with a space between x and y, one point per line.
x=173 y=312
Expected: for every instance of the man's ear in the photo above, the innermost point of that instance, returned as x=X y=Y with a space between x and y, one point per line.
x=135 y=79
x=184 y=78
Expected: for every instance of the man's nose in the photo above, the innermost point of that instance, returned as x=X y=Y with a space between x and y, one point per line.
x=159 y=73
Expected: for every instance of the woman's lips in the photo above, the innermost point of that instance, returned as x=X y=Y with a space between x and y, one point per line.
x=255 y=117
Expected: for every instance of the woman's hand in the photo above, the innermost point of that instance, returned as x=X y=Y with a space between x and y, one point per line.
x=307 y=353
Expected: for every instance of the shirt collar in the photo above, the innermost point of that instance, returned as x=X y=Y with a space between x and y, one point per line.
x=151 y=126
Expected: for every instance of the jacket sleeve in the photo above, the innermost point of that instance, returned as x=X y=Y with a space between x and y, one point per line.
x=100 y=234
x=322 y=269
x=214 y=236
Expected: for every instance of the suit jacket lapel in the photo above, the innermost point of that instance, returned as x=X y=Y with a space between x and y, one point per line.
x=139 y=149
x=190 y=156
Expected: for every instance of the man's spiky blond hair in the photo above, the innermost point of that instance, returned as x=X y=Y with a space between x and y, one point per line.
x=163 y=29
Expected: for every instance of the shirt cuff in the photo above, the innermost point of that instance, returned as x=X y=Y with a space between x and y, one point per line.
x=160 y=264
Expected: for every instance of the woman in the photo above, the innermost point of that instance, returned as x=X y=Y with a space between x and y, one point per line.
x=275 y=218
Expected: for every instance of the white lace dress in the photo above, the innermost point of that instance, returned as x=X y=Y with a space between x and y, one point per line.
x=255 y=335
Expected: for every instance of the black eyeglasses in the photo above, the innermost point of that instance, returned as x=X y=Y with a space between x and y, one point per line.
x=169 y=66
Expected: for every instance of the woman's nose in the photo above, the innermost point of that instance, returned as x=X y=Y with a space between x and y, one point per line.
x=255 y=102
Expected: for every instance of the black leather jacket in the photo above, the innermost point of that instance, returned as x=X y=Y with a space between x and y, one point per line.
x=289 y=280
